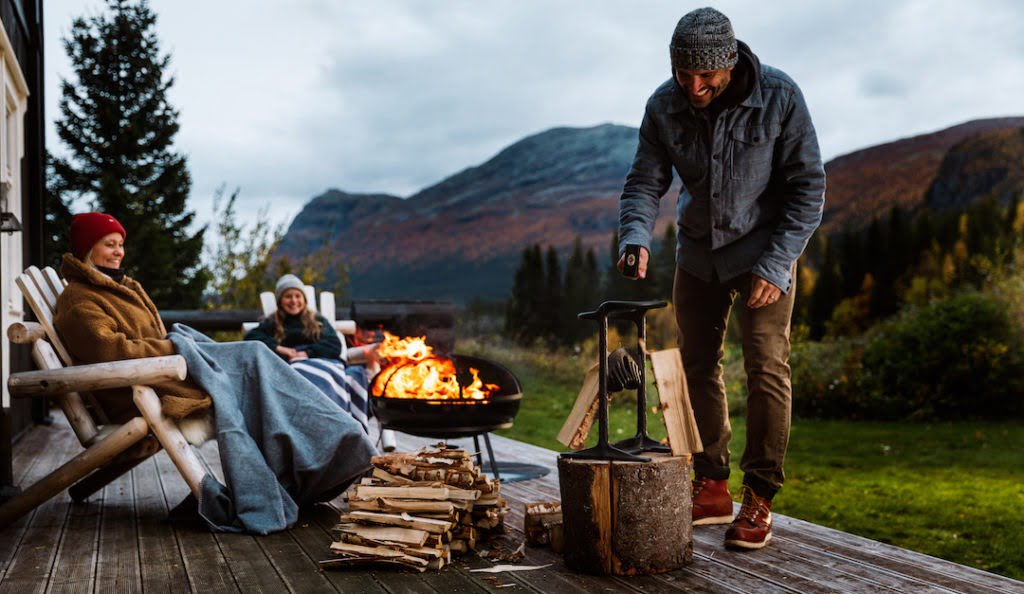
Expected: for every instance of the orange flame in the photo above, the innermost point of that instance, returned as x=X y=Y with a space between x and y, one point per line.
x=413 y=371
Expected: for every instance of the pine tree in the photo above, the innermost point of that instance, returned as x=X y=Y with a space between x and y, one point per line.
x=522 y=314
x=577 y=298
x=551 y=305
x=118 y=127
x=826 y=294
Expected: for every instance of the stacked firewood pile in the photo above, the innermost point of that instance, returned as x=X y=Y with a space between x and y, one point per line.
x=417 y=509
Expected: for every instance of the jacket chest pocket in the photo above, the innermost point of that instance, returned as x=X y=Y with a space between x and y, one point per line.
x=689 y=156
x=750 y=152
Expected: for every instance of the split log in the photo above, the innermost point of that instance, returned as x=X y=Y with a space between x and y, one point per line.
x=674 y=395
x=400 y=505
x=539 y=518
x=409 y=492
x=403 y=520
x=387 y=477
x=576 y=428
x=626 y=518
x=377 y=553
x=406 y=536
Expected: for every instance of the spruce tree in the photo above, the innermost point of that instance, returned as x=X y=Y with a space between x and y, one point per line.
x=575 y=300
x=551 y=304
x=118 y=127
x=523 y=320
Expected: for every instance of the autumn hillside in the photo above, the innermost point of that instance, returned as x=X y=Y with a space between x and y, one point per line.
x=870 y=181
x=462 y=237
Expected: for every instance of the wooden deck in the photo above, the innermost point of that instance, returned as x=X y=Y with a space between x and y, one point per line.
x=120 y=541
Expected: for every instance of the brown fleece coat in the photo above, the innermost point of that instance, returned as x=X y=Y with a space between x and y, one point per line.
x=102 y=320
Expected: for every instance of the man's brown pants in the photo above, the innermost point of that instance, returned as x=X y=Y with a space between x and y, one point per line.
x=702 y=314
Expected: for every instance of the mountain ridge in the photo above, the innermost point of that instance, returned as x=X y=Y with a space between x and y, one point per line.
x=462 y=237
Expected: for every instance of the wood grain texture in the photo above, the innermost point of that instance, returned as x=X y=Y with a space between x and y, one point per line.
x=49 y=549
x=626 y=518
x=674 y=395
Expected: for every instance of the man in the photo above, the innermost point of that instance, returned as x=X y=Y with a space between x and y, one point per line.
x=741 y=138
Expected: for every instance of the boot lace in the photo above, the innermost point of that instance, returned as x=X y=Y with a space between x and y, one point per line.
x=754 y=509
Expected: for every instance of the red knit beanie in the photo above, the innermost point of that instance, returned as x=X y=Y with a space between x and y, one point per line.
x=89 y=227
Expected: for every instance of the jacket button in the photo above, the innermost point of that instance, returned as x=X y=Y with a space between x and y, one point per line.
x=757 y=139
x=715 y=195
x=715 y=156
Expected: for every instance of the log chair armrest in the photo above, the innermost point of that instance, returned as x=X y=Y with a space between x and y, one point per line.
x=25 y=332
x=97 y=376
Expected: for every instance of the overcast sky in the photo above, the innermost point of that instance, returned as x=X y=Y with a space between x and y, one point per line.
x=287 y=98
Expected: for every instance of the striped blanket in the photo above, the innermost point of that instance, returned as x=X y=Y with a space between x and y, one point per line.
x=345 y=386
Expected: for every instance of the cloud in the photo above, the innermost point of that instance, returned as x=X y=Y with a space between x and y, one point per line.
x=286 y=100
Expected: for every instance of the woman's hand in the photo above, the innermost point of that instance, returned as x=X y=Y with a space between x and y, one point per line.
x=287 y=352
x=298 y=356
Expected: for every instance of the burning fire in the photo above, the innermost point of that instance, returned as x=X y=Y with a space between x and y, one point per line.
x=414 y=371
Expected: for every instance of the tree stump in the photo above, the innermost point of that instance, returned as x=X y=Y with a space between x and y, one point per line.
x=626 y=518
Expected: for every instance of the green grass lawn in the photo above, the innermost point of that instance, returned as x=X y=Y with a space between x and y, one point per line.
x=952 y=490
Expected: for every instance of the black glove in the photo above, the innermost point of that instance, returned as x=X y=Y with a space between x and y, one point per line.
x=623 y=369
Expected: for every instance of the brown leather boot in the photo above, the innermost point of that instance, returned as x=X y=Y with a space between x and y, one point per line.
x=752 y=528
x=712 y=503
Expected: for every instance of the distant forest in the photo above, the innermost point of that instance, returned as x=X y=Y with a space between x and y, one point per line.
x=846 y=281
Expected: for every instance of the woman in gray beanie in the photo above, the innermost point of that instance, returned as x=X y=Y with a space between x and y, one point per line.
x=294 y=331
x=310 y=344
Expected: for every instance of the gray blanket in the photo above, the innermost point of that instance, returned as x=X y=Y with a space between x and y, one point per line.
x=282 y=445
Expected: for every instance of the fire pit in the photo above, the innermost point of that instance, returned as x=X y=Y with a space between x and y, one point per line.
x=426 y=395
x=446 y=418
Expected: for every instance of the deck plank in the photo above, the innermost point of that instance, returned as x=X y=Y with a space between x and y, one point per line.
x=204 y=562
x=118 y=568
x=300 y=572
x=120 y=542
x=163 y=568
x=312 y=534
x=28 y=467
x=253 y=568
x=77 y=552
x=939 y=574
x=32 y=566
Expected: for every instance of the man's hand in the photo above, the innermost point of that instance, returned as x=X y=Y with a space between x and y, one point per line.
x=641 y=268
x=762 y=292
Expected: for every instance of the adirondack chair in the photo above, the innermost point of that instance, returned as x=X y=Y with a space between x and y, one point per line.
x=110 y=450
x=361 y=355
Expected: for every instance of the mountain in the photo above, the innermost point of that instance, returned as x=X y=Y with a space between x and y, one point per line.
x=869 y=182
x=462 y=237
x=987 y=164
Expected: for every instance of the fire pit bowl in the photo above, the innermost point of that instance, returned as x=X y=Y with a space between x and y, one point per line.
x=452 y=418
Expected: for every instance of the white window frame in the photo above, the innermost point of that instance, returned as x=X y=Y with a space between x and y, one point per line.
x=13 y=104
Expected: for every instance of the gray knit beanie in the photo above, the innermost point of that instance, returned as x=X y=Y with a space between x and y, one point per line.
x=703 y=40
x=288 y=281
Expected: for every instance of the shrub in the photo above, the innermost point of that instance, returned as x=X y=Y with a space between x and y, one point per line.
x=956 y=358
x=826 y=376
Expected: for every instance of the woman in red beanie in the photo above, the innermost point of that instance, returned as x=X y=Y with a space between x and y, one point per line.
x=103 y=315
